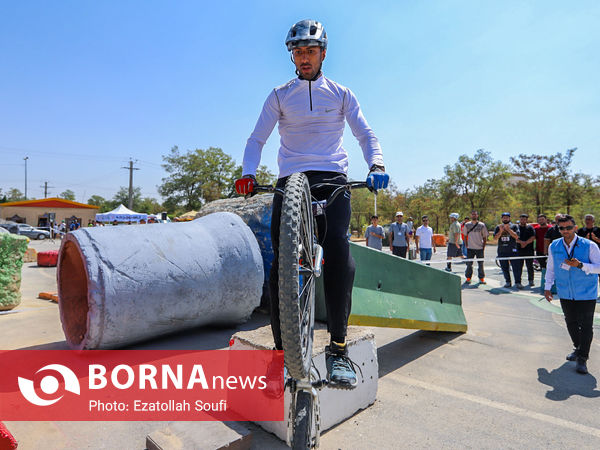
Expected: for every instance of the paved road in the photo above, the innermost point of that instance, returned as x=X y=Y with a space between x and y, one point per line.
x=504 y=383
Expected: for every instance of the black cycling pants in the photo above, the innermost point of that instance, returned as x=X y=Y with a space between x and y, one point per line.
x=579 y=316
x=338 y=270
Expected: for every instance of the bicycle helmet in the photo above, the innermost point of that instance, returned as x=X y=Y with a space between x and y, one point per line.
x=306 y=33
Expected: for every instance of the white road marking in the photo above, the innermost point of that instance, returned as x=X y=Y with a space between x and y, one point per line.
x=501 y=406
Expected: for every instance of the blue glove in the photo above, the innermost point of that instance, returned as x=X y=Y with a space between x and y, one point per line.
x=377 y=178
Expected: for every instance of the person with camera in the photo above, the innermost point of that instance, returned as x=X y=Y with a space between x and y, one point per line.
x=525 y=247
x=507 y=234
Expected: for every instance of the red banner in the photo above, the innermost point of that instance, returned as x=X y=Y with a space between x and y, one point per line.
x=141 y=385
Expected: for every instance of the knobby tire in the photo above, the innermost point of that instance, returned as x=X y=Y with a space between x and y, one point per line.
x=302 y=437
x=296 y=279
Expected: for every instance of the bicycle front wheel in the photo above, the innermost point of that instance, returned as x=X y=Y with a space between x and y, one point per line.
x=303 y=418
x=296 y=276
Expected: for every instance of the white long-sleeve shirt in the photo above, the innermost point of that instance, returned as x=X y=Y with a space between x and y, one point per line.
x=592 y=267
x=311 y=125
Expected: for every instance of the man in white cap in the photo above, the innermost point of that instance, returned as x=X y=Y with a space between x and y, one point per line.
x=454 y=241
x=399 y=238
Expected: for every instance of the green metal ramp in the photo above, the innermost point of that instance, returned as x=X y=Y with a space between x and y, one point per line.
x=394 y=292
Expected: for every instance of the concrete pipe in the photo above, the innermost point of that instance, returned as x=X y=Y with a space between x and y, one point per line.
x=122 y=284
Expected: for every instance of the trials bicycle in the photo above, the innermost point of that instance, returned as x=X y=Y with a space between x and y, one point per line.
x=300 y=263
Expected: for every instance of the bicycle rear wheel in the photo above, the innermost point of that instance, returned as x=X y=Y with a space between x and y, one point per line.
x=296 y=277
x=303 y=418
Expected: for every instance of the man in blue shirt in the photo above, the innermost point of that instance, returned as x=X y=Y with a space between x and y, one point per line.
x=399 y=238
x=574 y=262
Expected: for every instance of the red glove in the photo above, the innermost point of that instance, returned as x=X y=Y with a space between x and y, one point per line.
x=245 y=185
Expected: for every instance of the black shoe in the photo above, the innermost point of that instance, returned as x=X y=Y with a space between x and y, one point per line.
x=507 y=286
x=572 y=356
x=531 y=284
x=519 y=286
x=340 y=369
x=581 y=366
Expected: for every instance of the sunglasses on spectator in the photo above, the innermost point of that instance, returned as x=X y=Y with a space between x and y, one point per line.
x=568 y=228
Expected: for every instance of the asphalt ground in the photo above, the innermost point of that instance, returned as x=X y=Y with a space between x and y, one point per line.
x=503 y=384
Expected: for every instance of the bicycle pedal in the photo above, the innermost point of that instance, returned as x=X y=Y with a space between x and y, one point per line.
x=320 y=383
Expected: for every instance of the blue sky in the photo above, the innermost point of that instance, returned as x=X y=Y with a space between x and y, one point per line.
x=85 y=85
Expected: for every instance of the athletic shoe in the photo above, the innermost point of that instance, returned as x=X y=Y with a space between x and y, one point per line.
x=572 y=356
x=340 y=369
x=518 y=285
x=531 y=284
x=482 y=281
x=581 y=366
x=468 y=281
x=448 y=269
x=507 y=286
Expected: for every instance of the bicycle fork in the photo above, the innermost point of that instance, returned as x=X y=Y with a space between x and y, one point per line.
x=311 y=387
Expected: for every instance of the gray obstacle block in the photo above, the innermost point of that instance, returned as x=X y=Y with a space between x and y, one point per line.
x=336 y=405
x=212 y=435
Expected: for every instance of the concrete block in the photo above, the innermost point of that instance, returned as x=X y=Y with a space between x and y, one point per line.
x=336 y=405
x=212 y=435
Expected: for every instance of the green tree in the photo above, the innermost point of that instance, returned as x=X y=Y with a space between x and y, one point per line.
x=149 y=205
x=196 y=177
x=68 y=195
x=540 y=173
x=479 y=181
x=122 y=197
x=101 y=202
x=14 y=195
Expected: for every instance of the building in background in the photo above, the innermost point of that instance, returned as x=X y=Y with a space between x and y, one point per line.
x=39 y=213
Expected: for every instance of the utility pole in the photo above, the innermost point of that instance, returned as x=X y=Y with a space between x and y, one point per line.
x=131 y=169
x=46 y=189
x=25 y=159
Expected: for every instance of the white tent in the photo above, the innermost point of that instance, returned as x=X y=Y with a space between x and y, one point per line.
x=121 y=214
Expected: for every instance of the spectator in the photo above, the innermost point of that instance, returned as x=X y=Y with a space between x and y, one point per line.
x=507 y=234
x=552 y=234
x=525 y=247
x=463 y=247
x=411 y=226
x=476 y=234
x=374 y=233
x=424 y=240
x=541 y=228
x=115 y=223
x=589 y=231
x=574 y=262
x=454 y=241
x=399 y=238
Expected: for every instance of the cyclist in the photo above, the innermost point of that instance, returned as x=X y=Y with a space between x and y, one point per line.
x=311 y=110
